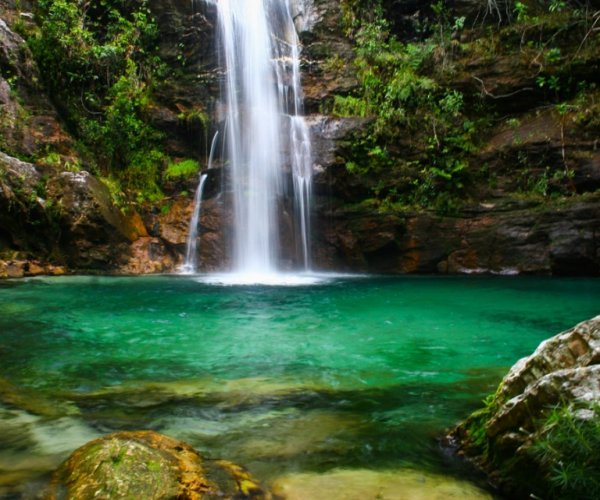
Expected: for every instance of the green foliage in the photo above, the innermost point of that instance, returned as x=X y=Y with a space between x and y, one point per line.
x=52 y=159
x=561 y=461
x=141 y=175
x=403 y=99
x=114 y=188
x=476 y=425
x=194 y=116
x=350 y=106
x=567 y=452
x=425 y=129
x=98 y=60
x=355 y=13
x=184 y=169
x=557 y=6
x=521 y=11
x=334 y=64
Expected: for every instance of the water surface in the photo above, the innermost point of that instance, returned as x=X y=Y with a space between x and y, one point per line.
x=360 y=372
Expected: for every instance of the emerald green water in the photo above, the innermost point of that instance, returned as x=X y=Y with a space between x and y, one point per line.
x=352 y=372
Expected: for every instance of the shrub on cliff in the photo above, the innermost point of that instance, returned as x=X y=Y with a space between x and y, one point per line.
x=438 y=95
x=99 y=62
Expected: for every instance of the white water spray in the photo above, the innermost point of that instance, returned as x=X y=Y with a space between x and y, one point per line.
x=265 y=130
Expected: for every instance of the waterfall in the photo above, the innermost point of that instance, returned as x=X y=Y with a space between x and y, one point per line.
x=267 y=137
x=191 y=257
x=191 y=254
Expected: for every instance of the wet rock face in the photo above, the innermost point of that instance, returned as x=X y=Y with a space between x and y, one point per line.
x=145 y=464
x=497 y=237
x=563 y=370
x=29 y=124
x=185 y=103
x=518 y=238
x=327 y=54
x=51 y=219
x=22 y=208
x=94 y=233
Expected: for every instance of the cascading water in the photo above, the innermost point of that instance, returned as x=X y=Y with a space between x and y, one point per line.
x=191 y=257
x=300 y=147
x=191 y=254
x=265 y=129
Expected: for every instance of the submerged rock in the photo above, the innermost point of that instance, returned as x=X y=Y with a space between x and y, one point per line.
x=24 y=431
x=33 y=402
x=148 y=465
x=364 y=484
x=548 y=395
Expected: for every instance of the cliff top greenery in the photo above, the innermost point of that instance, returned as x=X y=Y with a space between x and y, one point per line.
x=99 y=61
x=432 y=115
x=437 y=85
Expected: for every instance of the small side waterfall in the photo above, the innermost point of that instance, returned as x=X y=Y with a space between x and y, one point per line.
x=302 y=175
x=191 y=257
x=190 y=265
x=299 y=141
x=266 y=132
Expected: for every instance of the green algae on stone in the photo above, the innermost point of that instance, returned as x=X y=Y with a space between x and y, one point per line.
x=34 y=402
x=148 y=465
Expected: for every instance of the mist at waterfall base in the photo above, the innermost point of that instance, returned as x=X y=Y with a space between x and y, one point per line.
x=266 y=137
x=350 y=374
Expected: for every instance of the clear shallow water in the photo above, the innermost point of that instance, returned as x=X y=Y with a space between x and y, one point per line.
x=351 y=372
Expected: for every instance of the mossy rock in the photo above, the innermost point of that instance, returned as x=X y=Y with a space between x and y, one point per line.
x=34 y=402
x=148 y=465
x=535 y=436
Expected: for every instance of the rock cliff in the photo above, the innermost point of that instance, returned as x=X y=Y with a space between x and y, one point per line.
x=522 y=198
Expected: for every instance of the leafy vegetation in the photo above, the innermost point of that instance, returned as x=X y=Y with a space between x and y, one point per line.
x=403 y=98
x=559 y=460
x=567 y=452
x=430 y=113
x=183 y=169
x=99 y=61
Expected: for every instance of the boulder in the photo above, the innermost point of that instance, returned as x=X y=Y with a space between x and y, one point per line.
x=554 y=391
x=148 y=465
x=95 y=234
x=23 y=221
x=66 y=218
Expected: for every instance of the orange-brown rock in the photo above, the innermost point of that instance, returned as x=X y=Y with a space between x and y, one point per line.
x=148 y=465
x=148 y=255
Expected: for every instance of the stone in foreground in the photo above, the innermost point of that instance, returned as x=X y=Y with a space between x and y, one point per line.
x=148 y=465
